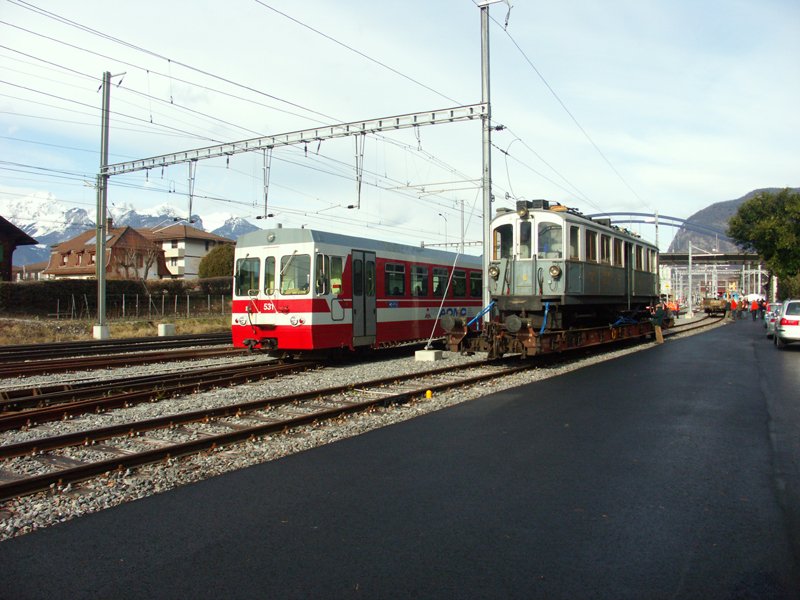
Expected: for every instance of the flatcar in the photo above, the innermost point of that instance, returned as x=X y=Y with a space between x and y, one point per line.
x=553 y=270
x=299 y=290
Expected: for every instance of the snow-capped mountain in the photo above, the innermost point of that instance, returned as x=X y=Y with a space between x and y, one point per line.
x=50 y=221
x=235 y=227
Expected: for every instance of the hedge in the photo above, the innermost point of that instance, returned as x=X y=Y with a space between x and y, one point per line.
x=74 y=297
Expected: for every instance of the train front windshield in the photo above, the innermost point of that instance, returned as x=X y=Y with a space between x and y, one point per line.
x=295 y=274
x=247 y=274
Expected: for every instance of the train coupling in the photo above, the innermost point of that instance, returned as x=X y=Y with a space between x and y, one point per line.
x=260 y=344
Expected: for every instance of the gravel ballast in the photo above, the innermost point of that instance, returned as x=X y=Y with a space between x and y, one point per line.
x=23 y=515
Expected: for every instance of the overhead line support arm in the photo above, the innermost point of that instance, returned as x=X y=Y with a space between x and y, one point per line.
x=431 y=117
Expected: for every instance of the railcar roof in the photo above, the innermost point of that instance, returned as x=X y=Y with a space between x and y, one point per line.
x=559 y=211
x=288 y=235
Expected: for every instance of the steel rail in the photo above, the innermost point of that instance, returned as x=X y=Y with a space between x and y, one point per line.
x=74 y=474
x=40 y=367
x=58 y=479
x=147 y=391
x=32 y=351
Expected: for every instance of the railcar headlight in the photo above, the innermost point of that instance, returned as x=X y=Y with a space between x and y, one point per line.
x=494 y=272
x=555 y=271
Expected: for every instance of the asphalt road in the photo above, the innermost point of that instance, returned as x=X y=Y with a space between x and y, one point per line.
x=670 y=473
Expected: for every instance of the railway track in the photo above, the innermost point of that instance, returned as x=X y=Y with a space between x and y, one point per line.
x=86 y=454
x=89 y=453
x=30 y=407
x=45 y=366
x=22 y=352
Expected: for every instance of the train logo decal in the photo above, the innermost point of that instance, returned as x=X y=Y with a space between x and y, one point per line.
x=456 y=312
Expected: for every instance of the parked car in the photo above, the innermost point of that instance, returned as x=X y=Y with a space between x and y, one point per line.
x=771 y=317
x=787 y=327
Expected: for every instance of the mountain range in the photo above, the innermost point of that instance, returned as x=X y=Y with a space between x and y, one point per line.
x=51 y=222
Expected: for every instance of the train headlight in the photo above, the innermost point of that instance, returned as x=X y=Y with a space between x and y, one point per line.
x=494 y=272
x=555 y=271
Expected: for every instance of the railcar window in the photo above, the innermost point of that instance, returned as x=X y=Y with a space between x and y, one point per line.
x=419 y=280
x=295 y=274
x=653 y=261
x=503 y=241
x=574 y=242
x=605 y=249
x=336 y=274
x=358 y=277
x=395 y=279
x=439 y=281
x=321 y=283
x=247 y=274
x=525 y=239
x=618 y=260
x=639 y=260
x=591 y=245
x=550 y=244
x=269 y=275
x=370 y=279
x=459 y=284
x=476 y=285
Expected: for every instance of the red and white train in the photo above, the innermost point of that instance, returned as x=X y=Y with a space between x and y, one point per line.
x=300 y=289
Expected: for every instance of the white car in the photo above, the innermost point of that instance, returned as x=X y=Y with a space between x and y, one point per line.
x=771 y=317
x=787 y=327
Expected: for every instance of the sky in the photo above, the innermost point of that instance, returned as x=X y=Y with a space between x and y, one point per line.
x=652 y=106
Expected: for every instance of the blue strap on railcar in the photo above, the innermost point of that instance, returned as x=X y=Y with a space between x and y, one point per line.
x=480 y=314
x=623 y=320
x=544 y=320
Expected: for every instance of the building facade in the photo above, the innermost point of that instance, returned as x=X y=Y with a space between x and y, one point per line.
x=184 y=247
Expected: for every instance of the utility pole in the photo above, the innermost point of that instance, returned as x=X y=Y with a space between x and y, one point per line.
x=461 y=246
x=487 y=152
x=100 y=331
x=689 y=310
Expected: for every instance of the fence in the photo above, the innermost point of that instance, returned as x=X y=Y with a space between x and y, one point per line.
x=152 y=306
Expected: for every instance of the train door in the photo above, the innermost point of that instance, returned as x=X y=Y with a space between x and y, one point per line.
x=364 y=302
x=524 y=267
x=629 y=281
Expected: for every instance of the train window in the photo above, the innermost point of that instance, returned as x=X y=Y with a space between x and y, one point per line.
x=336 y=274
x=653 y=261
x=247 y=274
x=503 y=241
x=269 y=275
x=605 y=249
x=395 y=279
x=370 y=279
x=321 y=283
x=550 y=244
x=618 y=256
x=574 y=242
x=295 y=274
x=459 y=284
x=639 y=260
x=591 y=245
x=476 y=284
x=358 y=277
x=440 y=277
x=525 y=239
x=419 y=280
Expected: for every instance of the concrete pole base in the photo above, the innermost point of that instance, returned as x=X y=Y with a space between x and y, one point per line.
x=100 y=332
x=428 y=355
x=165 y=329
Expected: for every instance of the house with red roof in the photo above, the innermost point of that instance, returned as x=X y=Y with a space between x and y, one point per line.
x=129 y=255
